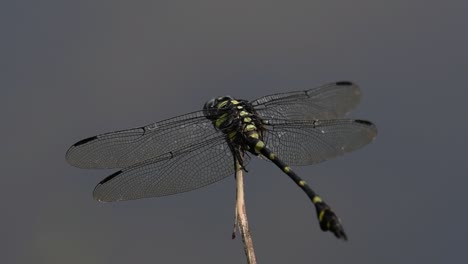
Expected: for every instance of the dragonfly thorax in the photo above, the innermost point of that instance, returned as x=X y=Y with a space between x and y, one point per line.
x=236 y=118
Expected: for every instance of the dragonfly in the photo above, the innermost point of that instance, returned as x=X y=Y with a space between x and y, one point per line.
x=200 y=148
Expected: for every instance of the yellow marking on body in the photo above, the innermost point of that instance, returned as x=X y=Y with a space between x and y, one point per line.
x=221 y=120
x=317 y=200
x=243 y=113
x=259 y=146
x=239 y=107
x=222 y=104
x=302 y=183
x=235 y=102
x=254 y=135
x=232 y=135
x=247 y=120
x=250 y=127
x=287 y=169
x=321 y=214
x=328 y=225
x=272 y=156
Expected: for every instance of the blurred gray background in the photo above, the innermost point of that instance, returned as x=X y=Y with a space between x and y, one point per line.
x=73 y=69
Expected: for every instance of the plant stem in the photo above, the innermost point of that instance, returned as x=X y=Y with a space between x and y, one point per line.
x=242 y=222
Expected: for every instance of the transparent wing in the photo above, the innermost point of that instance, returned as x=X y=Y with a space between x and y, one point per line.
x=172 y=173
x=329 y=101
x=124 y=148
x=308 y=142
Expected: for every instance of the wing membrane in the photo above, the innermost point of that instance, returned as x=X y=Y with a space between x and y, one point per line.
x=308 y=142
x=124 y=148
x=172 y=173
x=329 y=101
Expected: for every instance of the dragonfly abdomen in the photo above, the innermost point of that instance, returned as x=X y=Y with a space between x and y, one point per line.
x=327 y=218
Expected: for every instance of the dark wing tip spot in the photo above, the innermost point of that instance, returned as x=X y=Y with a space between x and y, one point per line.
x=371 y=127
x=344 y=83
x=110 y=177
x=364 y=122
x=84 y=141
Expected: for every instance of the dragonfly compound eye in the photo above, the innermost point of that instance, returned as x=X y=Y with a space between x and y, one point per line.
x=212 y=106
x=209 y=109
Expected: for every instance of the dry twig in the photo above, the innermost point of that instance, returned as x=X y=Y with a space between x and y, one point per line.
x=241 y=217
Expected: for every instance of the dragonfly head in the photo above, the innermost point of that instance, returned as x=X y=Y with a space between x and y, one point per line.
x=214 y=105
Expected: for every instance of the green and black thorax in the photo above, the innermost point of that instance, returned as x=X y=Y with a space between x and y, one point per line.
x=239 y=122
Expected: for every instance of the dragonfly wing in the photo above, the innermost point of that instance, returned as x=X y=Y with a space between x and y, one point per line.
x=309 y=142
x=329 y=101
x=121 y=149
x=177 y=172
